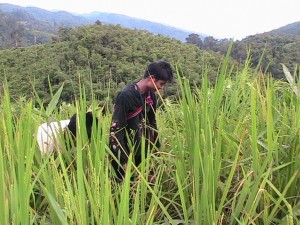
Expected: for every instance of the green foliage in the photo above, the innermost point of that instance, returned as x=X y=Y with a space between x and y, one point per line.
x=195 y=40
x=266 y=50
x=276 y=49
x=102 y=58
x=230 y=155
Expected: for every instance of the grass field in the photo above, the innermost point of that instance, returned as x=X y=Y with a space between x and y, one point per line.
x=230 y=155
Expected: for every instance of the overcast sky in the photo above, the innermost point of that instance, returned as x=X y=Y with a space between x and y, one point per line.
x=219 y=18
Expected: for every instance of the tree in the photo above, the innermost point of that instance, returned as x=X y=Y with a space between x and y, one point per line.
x=64 y=33
x=209 y=43
x=195 y=40
x=98 y=23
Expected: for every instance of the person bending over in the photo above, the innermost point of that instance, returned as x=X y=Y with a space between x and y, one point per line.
x=134 y=116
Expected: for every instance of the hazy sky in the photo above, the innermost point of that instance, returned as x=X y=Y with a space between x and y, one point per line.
x=219 y=18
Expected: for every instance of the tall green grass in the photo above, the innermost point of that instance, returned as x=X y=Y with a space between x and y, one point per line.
x=230 y=155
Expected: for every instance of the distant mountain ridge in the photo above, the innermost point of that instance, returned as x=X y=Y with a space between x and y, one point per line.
x=20 y=28
x=68 y=19
x=293 y=29
x=141 y=24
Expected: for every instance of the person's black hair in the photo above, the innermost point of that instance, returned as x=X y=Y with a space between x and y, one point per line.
x=161 y=70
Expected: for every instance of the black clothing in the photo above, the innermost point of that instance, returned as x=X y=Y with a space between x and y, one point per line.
x=143 y=124
x=70 y=132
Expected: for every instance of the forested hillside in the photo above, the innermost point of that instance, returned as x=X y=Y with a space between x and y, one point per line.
x=293 y=28
x=21 y=29
x=267 y=50
x=272 y=50
x=26 y=26
x=103 y=58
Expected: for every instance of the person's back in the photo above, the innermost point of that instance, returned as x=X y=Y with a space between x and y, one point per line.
x=47 y=135
x=71 y=130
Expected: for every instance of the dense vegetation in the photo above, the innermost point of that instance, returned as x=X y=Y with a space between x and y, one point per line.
x=230 y=134
x=103 y=57
x=292 y=28
x=230 y=155
x=267 y=50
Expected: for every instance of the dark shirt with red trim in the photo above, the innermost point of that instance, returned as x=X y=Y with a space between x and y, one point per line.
x=126 y=134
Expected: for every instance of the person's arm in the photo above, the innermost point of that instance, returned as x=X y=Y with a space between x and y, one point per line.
x=118 y=132
x=152 y=121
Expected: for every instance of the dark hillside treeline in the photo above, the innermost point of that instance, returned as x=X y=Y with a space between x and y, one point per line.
x=102 y=58
x=273 y=49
